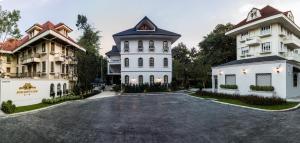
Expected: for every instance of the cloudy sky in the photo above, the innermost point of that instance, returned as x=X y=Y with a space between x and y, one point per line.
x=193 y=19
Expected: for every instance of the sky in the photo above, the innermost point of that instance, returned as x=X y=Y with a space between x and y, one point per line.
x=193 y=19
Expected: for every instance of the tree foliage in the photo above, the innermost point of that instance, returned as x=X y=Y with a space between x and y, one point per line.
x=8 y=24
x=90 y=62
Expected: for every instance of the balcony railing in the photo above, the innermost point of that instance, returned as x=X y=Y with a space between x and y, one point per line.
x=291 y=56
x=252 y=41
x=292 y=42
x=34 y=58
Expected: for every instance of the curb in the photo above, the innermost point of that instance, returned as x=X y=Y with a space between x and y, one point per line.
x=247 y=107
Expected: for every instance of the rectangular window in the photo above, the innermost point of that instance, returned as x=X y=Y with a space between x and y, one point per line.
x=244 y=51
x=265 y=30
x=44 y=47
x=17 y=71
x=165 y=46
x=165 y=62
x=52 y=47
x=67 y=51
x=151 y=62
x=295 y=79
x=126 y=62
x=43 y=66
x=23 y=69
x=244 y=35
x=63 y=68
x=264 y=79
x=266 y=47
x=67 y=69
x=151 y=79
x=126 y=46
x=52 y=67
x=151 y=46
x=230 y=79
x=8 y=70
x=140 y=46
x=8 y=59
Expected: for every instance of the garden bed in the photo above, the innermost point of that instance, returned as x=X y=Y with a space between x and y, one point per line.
x=266 y=103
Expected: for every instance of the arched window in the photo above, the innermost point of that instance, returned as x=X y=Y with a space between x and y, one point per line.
x=151 y=62
x=165 y=62
x=52 y=92
x=59 y=92
x=126 y=62
x=140 y=79
x=65 y=88
x=126 y=79
x=151 y=79
x=166 y=79
x=165 y=46
x=151 y=46
x=140 y=46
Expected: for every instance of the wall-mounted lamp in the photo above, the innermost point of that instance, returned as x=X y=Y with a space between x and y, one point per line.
x=221 y=72
x=158 y=80
x=244 y=71
x=278 y=69
x=133 y=80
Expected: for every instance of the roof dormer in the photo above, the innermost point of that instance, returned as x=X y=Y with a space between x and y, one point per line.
x=290 y=15
x=34 y=30
x=63 y=29
x=253 y=14
x=145 y=25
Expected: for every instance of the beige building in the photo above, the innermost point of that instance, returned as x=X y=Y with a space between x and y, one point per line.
x=46 y=52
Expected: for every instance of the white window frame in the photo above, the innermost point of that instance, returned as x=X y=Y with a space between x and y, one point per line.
x=266 y=47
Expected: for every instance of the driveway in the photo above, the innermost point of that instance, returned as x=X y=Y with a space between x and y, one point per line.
x=151 y=119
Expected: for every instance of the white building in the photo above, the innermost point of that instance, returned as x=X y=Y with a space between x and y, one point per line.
x=142 y=54
x=267 y=55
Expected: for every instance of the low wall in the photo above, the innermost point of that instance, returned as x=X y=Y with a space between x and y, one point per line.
x=28 y=91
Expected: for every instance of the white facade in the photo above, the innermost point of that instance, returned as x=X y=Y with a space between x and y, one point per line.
x=10 y=89
x=143 y=53
x=267 y=55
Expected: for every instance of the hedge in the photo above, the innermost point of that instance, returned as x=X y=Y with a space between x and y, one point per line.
x=261 y=88
x=8 y=107
x=233 y=86
x=140 y=88
x=248 y=99
x=60 y=99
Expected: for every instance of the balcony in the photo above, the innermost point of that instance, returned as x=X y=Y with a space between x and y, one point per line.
x=265 y=33
x=59 y=58
x=32 y=59
x=110 y=61
x=292 y=42
x=291 y=56
x=252 y=41
x=114 y=70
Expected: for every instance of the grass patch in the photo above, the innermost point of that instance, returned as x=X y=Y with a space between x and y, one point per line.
x=31 y=107
x=287 y=105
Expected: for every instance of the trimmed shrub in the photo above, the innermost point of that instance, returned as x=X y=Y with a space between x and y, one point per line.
x=8 y=107
x=140 y=88
x=248 y=99
x=116 y=88
x=60 y=99
x=261 y=88
x=225 y=86
x=199 y=85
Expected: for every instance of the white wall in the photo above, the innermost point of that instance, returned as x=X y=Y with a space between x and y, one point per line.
x=245 y=80
x=9 y=88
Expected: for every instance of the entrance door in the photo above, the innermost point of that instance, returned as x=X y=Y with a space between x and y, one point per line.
x=34 y=69
x=216 y=82
x=29 y=70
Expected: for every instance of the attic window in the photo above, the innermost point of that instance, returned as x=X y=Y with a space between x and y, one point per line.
x=145 y=26
x=290 y=16
x=253 y=14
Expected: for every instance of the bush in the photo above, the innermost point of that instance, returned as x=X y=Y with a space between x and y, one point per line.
x=248 y=99
x=261 y=88
x=233 y=86
x=8 y=107
x=116 y=88
x=140 y=88
x=60 y=99
x=199 y=85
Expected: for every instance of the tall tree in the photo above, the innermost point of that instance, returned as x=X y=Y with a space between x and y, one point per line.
x=89 y=63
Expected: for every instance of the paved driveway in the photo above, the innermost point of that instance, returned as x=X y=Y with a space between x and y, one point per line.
x=151 y=119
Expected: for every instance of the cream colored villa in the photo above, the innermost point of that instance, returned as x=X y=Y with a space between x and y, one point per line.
x=44 y=57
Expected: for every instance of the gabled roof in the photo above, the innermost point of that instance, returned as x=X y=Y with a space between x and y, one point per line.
x=13 y=44
x=113 y=52
x=253 y=60
x=156 y=31
x=265 y=12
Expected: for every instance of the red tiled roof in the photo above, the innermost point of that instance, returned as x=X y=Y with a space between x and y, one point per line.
x=12 y=44
x=265 y=12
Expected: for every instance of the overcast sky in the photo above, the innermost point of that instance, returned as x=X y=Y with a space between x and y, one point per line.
x=193 y=19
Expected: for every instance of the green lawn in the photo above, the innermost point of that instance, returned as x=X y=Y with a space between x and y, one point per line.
x=238 y=102
x=31 y=107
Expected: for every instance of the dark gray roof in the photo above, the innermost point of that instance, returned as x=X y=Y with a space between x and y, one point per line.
x=253 y=60
x=113 y=52
x=134 y=31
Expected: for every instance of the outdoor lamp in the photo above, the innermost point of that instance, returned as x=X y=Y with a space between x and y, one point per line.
x=244 y=71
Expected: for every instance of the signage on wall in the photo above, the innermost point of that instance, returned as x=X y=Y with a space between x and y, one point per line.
x=27 y=89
